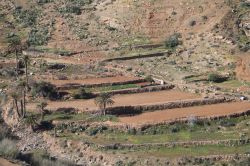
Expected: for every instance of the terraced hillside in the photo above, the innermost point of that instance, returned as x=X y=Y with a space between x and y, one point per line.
x=108 y=82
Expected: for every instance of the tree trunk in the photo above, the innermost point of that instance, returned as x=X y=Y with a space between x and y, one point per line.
x=17 y=109
x=104 y=109
x=26 y=75
x=17 y=64
x=32 y=128
x=22 y=111
x=42 y=115
x=24 y=103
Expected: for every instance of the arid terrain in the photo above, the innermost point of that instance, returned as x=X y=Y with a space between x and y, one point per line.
x=124 y=83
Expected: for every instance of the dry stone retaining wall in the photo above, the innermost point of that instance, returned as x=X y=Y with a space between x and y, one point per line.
x=139 y=56
x=231 y=142
x=132 y=110
x=141 y=90
x=76 y=86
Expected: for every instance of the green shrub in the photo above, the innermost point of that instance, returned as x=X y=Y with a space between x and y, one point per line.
x=192 y=23
x=71 y=9
x=26 y=17
x=245 y=5
x=40 y=2
x=173 y=41
x=213 y=77
x=38 y=37
x=91 y=131
x=44 y=89
x=82 y=94
x=8 y=149
x=42 y=158
x=4 y=132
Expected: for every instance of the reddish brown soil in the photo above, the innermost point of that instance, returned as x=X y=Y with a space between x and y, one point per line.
x=131 y=99
x=201 y=111
x=4 y=162
x=76 y=59
x=93 y=80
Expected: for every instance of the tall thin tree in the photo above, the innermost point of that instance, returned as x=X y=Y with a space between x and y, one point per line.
x=22 y=88
x=16 y=96
x=26 y=60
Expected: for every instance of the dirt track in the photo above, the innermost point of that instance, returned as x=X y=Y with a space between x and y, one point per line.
x=131 y=99
x=93 y=80
x=209 y=110
x=4 y=162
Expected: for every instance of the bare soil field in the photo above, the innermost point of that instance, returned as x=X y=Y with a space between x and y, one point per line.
x=4 y=162
x=93 y=80
x=76 y=59
x=199 y=111
x=120 y=100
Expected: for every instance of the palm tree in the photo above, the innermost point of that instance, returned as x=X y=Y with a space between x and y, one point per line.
x=41 y=106
x=15 y=45
x=103 y=100
x=26 y=60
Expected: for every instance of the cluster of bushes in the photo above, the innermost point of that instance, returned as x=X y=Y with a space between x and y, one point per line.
x=243 y=41
x=245 y=4
x=81 y=2
x=74 y=6
x=91 y=131
x=8 y=147
x=44 y=89
x=26 y=17
x=42 y=158
x=38 y=36
x=71 y=9
x=82 y=94
x=40 y=2
x=173 y=41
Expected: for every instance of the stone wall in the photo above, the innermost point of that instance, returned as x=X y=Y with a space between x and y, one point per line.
x=229 y=142
x=141 y=90
x=150 y=55
x=132 y=110
x=76 y=86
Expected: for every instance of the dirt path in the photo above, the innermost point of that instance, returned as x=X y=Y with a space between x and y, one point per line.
x=93 y=80
x=209 y=110
x=4 y=162
x=130 y=99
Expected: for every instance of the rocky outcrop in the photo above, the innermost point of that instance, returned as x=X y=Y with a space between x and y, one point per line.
x=9 y=114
